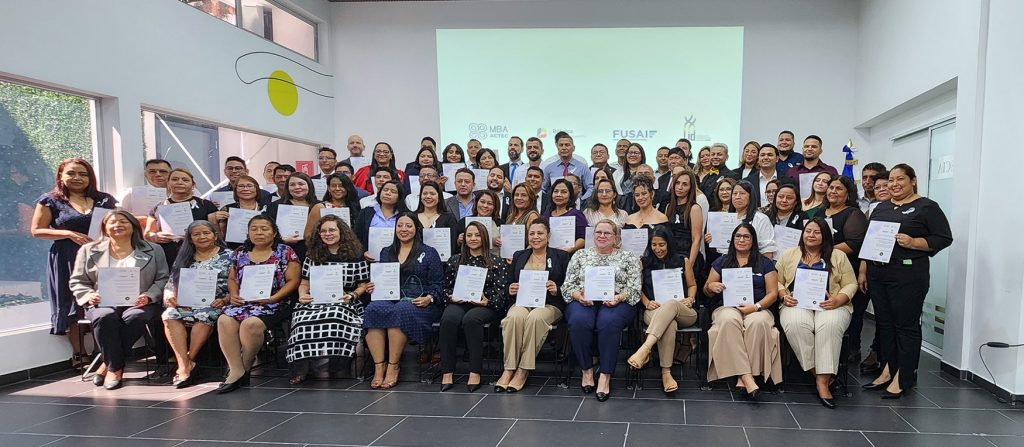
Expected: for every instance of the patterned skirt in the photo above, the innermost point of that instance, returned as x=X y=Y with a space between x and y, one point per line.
x=331 y=330
x=415 y=322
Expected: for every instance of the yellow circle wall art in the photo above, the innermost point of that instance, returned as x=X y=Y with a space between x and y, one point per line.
x=282 y=93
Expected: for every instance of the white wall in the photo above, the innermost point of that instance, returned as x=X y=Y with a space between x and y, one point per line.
x=161 y=54
x=798 y=68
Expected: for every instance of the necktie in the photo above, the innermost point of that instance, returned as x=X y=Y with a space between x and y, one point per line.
x=565 y=169
x=512 y=171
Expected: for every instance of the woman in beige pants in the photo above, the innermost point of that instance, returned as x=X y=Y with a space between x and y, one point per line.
x=664 y=314
x=817 y=335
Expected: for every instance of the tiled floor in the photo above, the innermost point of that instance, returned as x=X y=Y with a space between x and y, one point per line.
x=63 y=411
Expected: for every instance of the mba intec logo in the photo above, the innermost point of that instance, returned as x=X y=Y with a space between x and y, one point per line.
x=483 y=131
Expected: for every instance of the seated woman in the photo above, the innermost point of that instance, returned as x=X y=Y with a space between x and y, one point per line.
x=341 y=193
x=663 y=316
x=743 y=341
x=470 y=315
x=389 y=324
x=524 y=328
x=381 y=215
x=246 y=194
x=563 y=204
x=591 y=319
x=117 y=324
x=240 y=329
x=324 y=337
x=201 y=249
x=646 y=216
x=817 y=335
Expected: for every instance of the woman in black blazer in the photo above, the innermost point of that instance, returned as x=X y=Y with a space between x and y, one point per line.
x=525 y=328
x=383 y=214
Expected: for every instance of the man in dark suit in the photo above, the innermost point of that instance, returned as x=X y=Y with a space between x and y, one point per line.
x=676 y=161
x=327 y=159
x=767 y=170
x=515 y=162
x=719 y=155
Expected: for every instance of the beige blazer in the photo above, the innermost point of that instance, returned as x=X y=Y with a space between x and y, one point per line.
x=841 y=280
x=149 y=258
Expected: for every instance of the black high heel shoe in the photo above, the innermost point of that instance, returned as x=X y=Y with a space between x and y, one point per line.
x=876 y=387
x=471 y=387
x=888 y=395
x=225 y=387
x=501 y=389
x=446 y=386
x=601 y=397
x=827 y=403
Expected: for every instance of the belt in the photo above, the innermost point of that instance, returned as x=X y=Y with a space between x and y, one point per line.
x=892 y=261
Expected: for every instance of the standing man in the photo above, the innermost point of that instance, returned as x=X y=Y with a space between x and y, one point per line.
x=719 y=154
x=515 y=150
x=867 y=181
x=787 y=158
x=496 y=184
x=535 y=180
x=566 y=164
x=427 y=174
x=676 y=163
x=661 y=158
x=687 y=148
x=767 y=170
x=621 y=147
x=139 y=200
x=355 y=148
x=812 y=161
x=281 y=174
x=599 y=158
x=327 y=159
x=462 y=202
x=472 y=148
x=235 y=168
x=268 y=176
x=534 y=156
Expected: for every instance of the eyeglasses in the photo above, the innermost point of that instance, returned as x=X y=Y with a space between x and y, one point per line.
x=158 y=171
x=603 y=233
x=244 y=186
x=234 y=168
x=605 y=191
x=742 y=237
x=423 y=176
x=326 y=158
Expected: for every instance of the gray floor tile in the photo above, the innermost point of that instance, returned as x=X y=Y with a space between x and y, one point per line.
x=330 y=429
x=106 y=421
x=425 y=404
x=1016 y=415
x=324 y=401
x=18 y=416
x=446 y=432
x=530 y=407
x=647 y=435
x=16 y=440
x=241 y=399
x=912 y=398
x=761 y=437
x=954 y=380
x=1006 y=441
x=632 y=410
x=217 y=425
x=230 y=444
x=310 y=384
x=130 y=395
x=962 y=398
x=927 y=440
x=849 y=418
x=685 y=394
x=739 y=414
x=990 y=422
x=565 y=434
x=73 y=441
x=42 y=391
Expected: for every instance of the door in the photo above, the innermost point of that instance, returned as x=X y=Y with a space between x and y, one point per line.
x=940 y=189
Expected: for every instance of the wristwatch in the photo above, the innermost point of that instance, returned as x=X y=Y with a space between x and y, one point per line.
x=758 y=306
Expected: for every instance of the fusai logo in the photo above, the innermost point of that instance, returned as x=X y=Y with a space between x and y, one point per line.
x=483 y=131
x=634 y=134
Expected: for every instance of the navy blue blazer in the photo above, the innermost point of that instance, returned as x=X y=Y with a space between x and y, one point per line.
x=558 y=263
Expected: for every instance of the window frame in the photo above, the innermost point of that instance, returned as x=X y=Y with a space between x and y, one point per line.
x=285 y=8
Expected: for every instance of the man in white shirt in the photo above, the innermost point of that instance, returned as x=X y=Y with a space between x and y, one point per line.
x=268 y=176
x=327 y=159
x=427 y=174
x=472 y=148
x=511 y=169
x=281 y=174
x=355 y=148
x=621 y=147
x=140 y=200
x=767 y=170
x=661 y=158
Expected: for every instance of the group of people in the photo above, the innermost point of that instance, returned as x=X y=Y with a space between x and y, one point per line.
x=432 y=226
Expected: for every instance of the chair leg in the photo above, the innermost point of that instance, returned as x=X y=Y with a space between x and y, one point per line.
x=95 y=362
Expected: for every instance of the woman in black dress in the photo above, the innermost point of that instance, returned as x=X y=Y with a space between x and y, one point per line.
x=180 y=186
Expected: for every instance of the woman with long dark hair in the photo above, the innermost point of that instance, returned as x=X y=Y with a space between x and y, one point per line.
x=341 y=193
x=433 y=213
x=246 y=193
x=453 y=154
x=817 y=201
x=202 y=249
x=646 y=216
x=486 y=159
x=685 y=219
x=383 y=157
x=606 y=204
x=299 y=191
x=180 y=186
x=425 y=157
x=786 y=209
x=563 y=204
x=383 y=214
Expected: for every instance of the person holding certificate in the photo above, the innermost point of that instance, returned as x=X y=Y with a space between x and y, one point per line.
x=390 y=324
x=117 y=324
x=485 y=204
x=180 y=186
x=246 y=194
x=743 y=341
x=324 y=335
x=685 y=216
x=291 y=222
x=64 y=216
x=246 y=318
x=433 y=213
x=815 y=332
x=524 y=328
x=848 y=227
x=383 y=214
x=606 y=205
x=202 y=249
x=563 y=204
x=383 y=158
x=646 y=216
x=664 y=314
x=341 y=193
x=720 y=202
x=602 y=319
x=524 y=206
x=816 y=201
x=786 y=209
x=898 y=288
x=468 y=312
x=746 y=212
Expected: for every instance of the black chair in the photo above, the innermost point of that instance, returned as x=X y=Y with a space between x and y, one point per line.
x=149 y=349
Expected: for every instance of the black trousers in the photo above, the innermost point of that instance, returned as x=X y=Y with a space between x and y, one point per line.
x=898 y=292
x=471 y=318
x=118 y=328
x=860 y=307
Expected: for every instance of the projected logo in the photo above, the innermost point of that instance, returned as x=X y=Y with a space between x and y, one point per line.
x=634 y=134
x=483 y=131
x=542 y=133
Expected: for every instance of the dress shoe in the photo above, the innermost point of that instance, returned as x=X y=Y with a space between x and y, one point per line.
x=225 y=387
x=513 y=390
x=98 y=379
x=112 y=384
x=601 y=397
x=888 y=395
x=471 y=387
x=876 y=387
x=753 y=394
x=587 y=389
x=827 y=403
x=181 y=382
x=446 y=386
x=501 y=389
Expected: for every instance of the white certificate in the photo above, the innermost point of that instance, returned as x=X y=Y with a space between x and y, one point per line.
x=441 y=240
x=343 y=213
x=257 y=281
x=533 y=288
x=807 y=184
x=809 y=288
x=449 y=170
x=96 y=222
x=589 y=241
x=291 y=220
x=326 y=283
x=513 y=239
x=599 y=283
x=720 y=226
x=221 y=198
x=414 y=185
x=145 y=198
x=379 y=237
x=238 y=224
x=668 y=285
x=488 y=223
x=358 y=163
x=635 y=241
x=879 y=241
x=563 y=232
x=739 y=287
x=196 y=287
x=385 y=277
x=786 y=238
x=118 y=286
x=175 y=218
x=481 y=179
x=469 y=283
x=319 y=188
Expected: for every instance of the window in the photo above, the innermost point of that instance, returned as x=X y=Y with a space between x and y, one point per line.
x=202 y=147
x=38 y=129
x=265 y=19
